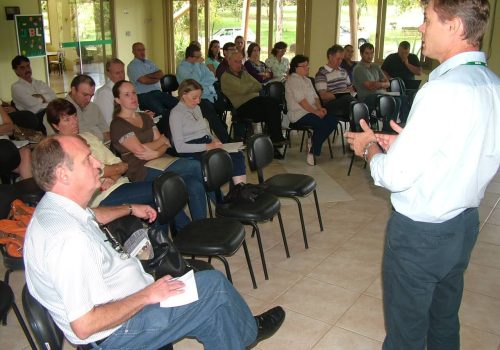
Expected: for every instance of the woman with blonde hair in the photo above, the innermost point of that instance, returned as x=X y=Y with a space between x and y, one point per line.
x=191 y=135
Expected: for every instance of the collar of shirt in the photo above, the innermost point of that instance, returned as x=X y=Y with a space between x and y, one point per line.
x=81 y=214
x=79 y=110
x=455 y=61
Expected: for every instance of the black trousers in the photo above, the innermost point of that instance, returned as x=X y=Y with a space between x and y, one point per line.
x=263 y=109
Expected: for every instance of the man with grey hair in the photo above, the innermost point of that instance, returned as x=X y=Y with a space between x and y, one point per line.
x=115 y=70
x=99 y=296
x=437 y=170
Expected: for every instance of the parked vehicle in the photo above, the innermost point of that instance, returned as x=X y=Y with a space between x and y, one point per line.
x=225 y=35
x=345 y=36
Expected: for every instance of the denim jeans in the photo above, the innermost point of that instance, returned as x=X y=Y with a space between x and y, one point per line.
x=423 y=277
x=190 y=171
x=220 y=319
x=322 y=128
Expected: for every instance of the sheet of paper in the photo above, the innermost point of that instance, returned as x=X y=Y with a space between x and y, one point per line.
x=233 y=147
x=20 y=144
x=160 y=163
x=190 y=292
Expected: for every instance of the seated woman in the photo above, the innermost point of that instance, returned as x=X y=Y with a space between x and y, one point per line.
x=278 y=64
x=135 y=136
x=304 y=107
x=239 y=43
x=242 y=90
x=257 y=69
x=214 y=57
x=6 y=129
x=191 y=134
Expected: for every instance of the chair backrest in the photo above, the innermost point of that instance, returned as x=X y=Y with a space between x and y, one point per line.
x=217 y=169
x=276 y=90
x=260 y=152
x=9 y=159
x=170 y=194
x=386 y=111
x=47 y=334
x=358 y=111
x=169 y=83
x=397 y=85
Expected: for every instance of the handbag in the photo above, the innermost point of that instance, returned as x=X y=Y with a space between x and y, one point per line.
x=25 y=134
x=165 y=258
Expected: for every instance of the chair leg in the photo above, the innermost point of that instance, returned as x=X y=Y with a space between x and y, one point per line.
x=301 y=215
x=226 y=266
x=23 y=326
x=330 y=147
x=302 y=142
x=283 y=235
x=261 y=249
x=342 y=137
x=249 y=263
x=350 y=165
x=317 y=210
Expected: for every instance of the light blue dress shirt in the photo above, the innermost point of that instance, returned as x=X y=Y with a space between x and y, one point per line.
x=138 y=68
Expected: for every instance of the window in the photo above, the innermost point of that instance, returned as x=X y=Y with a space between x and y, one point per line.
x=44 y=5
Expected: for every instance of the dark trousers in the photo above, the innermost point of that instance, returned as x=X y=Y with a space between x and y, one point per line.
x=339 y=107
x=322 y=128
x=423 y=277
x=161 y=103
x=217 y=125
x=263 y=109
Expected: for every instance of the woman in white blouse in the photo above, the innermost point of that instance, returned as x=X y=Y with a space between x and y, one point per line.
x=304 y=106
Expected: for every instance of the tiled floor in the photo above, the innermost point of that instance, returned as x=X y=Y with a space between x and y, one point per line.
x=331 y=292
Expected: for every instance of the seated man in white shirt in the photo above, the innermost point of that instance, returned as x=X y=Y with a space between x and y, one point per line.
x=27 y=93
x=102 y=299
x=115 y=70
x=90 y=118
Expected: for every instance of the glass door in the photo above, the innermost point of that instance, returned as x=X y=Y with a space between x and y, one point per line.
x=82 y=36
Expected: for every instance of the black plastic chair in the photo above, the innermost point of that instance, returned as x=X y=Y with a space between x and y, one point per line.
x=9 y=160
x=358 y=111
x=45 y=331
x=218 y=170
x=219 y=237
x=7 y=301
x=169 y=83
x=386 y=111
x=260 y=154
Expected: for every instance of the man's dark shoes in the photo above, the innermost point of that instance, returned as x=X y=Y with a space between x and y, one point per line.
x=269 y=322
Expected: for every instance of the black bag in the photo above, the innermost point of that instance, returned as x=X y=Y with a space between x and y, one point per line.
x=245 y=192
x=167 y=259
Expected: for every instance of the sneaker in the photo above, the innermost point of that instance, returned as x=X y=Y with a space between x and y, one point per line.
x=310 y=158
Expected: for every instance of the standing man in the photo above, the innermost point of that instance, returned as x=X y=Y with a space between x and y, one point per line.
x=90 y=118
x=102 y=299
x=145 y=76
x=115 y=70
x=334 y=85
x=402 y=64
x=192 y=68
x=437 y=170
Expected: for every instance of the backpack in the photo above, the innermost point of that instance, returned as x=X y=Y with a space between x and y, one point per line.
x=13 y=229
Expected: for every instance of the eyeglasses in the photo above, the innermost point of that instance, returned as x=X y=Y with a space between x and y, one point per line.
x=303 y=66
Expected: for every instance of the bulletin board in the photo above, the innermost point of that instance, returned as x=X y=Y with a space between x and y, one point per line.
x=30 y=37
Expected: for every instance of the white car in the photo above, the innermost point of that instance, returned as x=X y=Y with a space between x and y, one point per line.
x=345 y=36
x=226 y=35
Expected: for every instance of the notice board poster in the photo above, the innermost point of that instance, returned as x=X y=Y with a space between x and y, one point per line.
x=30 y=39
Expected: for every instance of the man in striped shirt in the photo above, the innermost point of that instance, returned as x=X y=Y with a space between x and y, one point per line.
x=333 y=84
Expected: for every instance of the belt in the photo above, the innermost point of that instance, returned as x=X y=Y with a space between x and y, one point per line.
x=90 y=346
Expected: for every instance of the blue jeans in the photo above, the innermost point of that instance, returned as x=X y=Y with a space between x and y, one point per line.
x=423 y=277
x=190 y=171
x=220 y=319
x=322 y=128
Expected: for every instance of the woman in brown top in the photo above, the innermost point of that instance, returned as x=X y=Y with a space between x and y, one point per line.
x=135 y=136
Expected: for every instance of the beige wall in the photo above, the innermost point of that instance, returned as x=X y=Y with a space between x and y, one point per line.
x=9 y=47
x=493 y=37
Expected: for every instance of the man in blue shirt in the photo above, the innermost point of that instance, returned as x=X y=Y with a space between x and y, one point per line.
x=191 y=68
x=145 y=76
x=437 y=170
